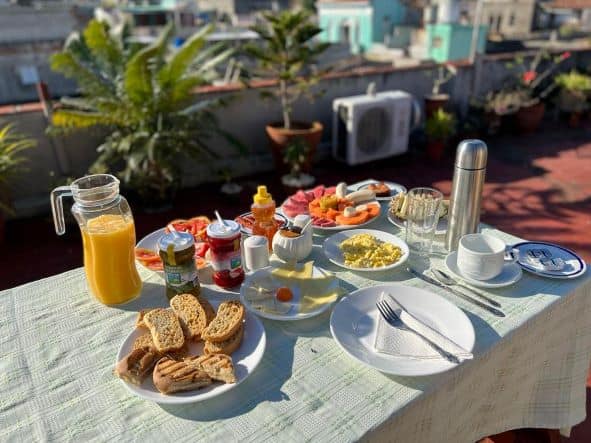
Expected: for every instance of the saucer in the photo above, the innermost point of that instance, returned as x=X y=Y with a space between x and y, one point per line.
x=510 y=274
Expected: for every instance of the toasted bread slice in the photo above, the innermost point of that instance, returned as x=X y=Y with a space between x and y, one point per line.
x=166 y=330
x=191 y=313
x=209 y=311
x=136 y=365
x=227 y=346
x=173 y=376
x=144 y=341
x=217 y=366
x=225 y=324
x=139 y=321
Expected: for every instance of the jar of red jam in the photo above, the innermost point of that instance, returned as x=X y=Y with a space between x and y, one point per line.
x=225 y=254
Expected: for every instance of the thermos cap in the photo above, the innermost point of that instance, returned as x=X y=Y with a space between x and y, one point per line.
x=471 y=154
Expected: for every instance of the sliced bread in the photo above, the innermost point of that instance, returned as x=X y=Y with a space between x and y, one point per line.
x=226 y=322
x=166 y=330
x=227 y=346
x=209 y=311
x=191 y=313
x=144 y=341
x=139 y=321
x=217 y=366
x=136 y=365
x=173 y=376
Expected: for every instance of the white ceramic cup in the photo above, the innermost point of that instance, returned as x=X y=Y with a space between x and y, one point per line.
x=256 y=252
x=482 y=256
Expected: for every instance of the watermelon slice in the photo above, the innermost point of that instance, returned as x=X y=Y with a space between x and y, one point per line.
x=318 y=191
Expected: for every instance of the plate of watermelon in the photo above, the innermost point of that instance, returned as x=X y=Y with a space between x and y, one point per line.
x=330 y=212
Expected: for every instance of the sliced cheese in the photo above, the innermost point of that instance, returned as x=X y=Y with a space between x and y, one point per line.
x=301 y=271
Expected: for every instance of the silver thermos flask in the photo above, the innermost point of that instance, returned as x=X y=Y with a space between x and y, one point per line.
x=466 y=191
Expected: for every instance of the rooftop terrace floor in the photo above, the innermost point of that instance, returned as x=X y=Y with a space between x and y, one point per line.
x=538 y=187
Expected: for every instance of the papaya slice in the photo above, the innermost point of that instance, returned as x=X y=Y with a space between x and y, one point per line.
x=332 y=214
x=357 y=219
x=314 y=204
x=317 y=212
x=373 y=210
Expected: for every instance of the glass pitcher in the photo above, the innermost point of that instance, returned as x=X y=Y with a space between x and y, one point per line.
x=108 y=236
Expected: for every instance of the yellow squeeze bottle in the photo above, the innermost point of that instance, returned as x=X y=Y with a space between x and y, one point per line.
x=263 y=211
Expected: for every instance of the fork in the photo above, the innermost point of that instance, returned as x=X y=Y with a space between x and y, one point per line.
x=395 y=321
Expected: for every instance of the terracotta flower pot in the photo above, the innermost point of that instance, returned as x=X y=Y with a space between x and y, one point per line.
x=434 y=103
x=529 y=118
x=574 y=119
x=280 y=137
x=435 y=150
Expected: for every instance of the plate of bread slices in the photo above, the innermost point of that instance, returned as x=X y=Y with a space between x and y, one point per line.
x=190 y=352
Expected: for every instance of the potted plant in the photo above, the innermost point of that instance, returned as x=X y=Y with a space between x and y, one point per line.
x=12 y=144
x=436 y=100
x=575 y=88
x=498 y=105
x=295 y=155
x=287 y=54
x=142 y=97
x=532 y=88
x=229 y=188
x=438 y=129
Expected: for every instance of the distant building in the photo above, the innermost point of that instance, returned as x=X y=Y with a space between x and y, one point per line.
x=239 y=12
x=370 y=25
x=148 y=16
x=360 y=23
x=509 y=18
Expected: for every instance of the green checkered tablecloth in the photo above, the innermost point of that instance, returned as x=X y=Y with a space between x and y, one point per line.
x=58 y=347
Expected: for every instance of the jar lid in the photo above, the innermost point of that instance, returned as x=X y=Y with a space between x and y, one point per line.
x=217 y=230
x=180 y=241
x=471 y=154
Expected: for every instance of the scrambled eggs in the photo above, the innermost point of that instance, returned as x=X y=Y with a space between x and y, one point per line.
x=366 y=251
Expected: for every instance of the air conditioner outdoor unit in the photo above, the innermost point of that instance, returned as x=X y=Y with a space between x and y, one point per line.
x=371 y=126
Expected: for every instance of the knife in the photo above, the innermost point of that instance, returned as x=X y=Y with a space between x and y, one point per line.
x=432 y=336
x=434 y=282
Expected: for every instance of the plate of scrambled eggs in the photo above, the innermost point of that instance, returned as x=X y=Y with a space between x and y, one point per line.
x=366 y=250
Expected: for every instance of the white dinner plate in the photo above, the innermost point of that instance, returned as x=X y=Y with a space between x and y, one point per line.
x=440 y=229
x=354 y=322
x=510 y=274
x=395 y=188
x=575 y=266
x=335 y=255
x=293 y=313
x=245 y=360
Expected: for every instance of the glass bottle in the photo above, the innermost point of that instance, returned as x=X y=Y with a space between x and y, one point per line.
x=108 y=236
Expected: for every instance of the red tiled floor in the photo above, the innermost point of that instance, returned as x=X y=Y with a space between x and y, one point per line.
x=537 y=187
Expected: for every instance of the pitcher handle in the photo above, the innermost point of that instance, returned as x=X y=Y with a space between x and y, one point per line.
x=57 y=207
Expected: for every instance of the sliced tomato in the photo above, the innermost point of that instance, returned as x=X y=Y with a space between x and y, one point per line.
x=195 y=226
x=200 y=263
x=146 y=255
x=200 y=249
x=155 y=266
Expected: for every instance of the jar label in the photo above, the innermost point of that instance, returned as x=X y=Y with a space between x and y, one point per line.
x=226 y=262
x=182 y=278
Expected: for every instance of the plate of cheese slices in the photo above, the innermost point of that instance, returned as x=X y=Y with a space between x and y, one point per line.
x=288 y=292
x=193 y=351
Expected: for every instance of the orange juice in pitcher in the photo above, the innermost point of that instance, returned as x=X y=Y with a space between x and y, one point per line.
x=108 y=236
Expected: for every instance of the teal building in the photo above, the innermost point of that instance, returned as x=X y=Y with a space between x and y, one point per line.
x=361 y=23
x=452 y=41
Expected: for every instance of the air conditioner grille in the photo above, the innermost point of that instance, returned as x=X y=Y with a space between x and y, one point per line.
x=373 y=130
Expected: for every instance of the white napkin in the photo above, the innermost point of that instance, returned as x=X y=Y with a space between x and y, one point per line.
x=405 y=343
